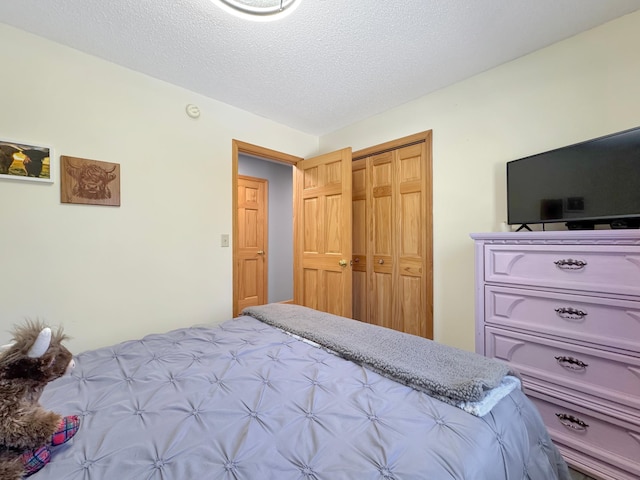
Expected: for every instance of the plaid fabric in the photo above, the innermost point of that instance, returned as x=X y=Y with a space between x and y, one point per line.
x=34 y=460
x=67 y=428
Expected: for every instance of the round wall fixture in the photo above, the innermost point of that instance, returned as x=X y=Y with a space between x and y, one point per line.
x=260 y=8
x=193 y=111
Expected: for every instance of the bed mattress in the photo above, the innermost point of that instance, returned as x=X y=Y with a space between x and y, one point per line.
x=244 y=400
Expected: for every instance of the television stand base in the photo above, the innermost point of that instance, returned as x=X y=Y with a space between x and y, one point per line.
x=581 y=225
x=625 y=223
x=524 y=226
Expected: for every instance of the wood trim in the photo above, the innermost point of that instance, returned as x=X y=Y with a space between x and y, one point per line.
x=234 y=222
x=263 y=152
x=393 y=144
x=297 y=250
x=428 y=182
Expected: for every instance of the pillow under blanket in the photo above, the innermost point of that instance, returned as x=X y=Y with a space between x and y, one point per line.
x=446 y=373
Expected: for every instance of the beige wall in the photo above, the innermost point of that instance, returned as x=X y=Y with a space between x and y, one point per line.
x=581 y=88
x=155 y=263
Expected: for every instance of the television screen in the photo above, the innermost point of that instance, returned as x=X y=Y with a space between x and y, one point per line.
x=597 y=181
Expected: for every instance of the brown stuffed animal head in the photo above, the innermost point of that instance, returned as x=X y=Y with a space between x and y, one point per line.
x=36 y=355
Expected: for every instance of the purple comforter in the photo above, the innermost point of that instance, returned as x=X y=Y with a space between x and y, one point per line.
x=244 y=400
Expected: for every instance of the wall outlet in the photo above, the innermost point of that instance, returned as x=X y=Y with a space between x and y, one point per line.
x=224 y=240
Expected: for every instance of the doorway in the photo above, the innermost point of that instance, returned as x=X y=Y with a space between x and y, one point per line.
x=277 y=256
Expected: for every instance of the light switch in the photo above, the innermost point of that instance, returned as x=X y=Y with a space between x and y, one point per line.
x=224 y=240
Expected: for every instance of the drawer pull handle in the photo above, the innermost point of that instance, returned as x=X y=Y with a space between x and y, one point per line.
x=570 y=264
x=572 y=422
x=570 y=313
x=571 y=363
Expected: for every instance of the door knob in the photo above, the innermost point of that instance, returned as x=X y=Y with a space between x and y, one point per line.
x=342 y=263
x=260 y=252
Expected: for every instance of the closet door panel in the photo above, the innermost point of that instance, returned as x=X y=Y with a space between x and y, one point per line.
x=359 y=256
x=411 y=317
x=381 y=245
x=382 y=300
x=411 y=163
x=410 y=225
x=382 y=214
x=360 y=296
x=359 y=234
x=410 y=240
x=382 y=204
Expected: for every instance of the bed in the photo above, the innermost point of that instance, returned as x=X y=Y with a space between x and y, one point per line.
x=253 y=399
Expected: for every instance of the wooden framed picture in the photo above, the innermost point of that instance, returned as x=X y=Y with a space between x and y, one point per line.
x=25 y=161
x=89 y=181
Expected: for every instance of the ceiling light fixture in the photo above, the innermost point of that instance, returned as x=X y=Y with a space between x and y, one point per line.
x=259 y=9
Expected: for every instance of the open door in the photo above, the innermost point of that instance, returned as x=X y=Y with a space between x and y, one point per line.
x=322 y=227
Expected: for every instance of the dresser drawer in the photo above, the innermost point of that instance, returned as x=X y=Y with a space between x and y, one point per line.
x=612 y=441
x=600 y=321
x=606 y=376
x=594 y=268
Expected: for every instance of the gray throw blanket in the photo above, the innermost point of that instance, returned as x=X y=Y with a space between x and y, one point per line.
x=446 y=373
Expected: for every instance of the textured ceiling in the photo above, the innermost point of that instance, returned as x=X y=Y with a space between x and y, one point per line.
x=328 y=63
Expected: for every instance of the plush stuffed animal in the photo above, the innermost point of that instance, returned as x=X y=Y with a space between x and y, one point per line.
x=35 y=358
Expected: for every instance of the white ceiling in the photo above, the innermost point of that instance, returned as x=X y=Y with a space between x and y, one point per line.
x=326 y=65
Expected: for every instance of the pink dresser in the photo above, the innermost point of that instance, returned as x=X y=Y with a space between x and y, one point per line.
x=564 y=309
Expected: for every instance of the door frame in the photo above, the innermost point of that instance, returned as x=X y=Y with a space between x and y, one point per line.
x=239 y=147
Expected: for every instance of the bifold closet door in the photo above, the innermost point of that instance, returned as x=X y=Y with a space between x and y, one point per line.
x=397 y=251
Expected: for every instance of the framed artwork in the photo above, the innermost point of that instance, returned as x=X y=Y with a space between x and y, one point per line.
x=24 y=161
x=89 y=181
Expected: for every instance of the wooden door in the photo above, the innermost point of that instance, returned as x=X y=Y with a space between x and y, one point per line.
x=412 y=242
x=398 y=229
x=251 y=258
x=381 y=241
x=323 y=233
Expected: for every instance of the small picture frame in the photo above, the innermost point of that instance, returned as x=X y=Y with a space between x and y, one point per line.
x=89 y=182
x=26 y=161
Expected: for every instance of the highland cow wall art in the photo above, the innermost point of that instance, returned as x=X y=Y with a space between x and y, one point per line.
x=89 y=181
x=22 y=161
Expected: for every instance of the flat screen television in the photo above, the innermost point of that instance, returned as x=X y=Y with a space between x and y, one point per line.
x=589 y=183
